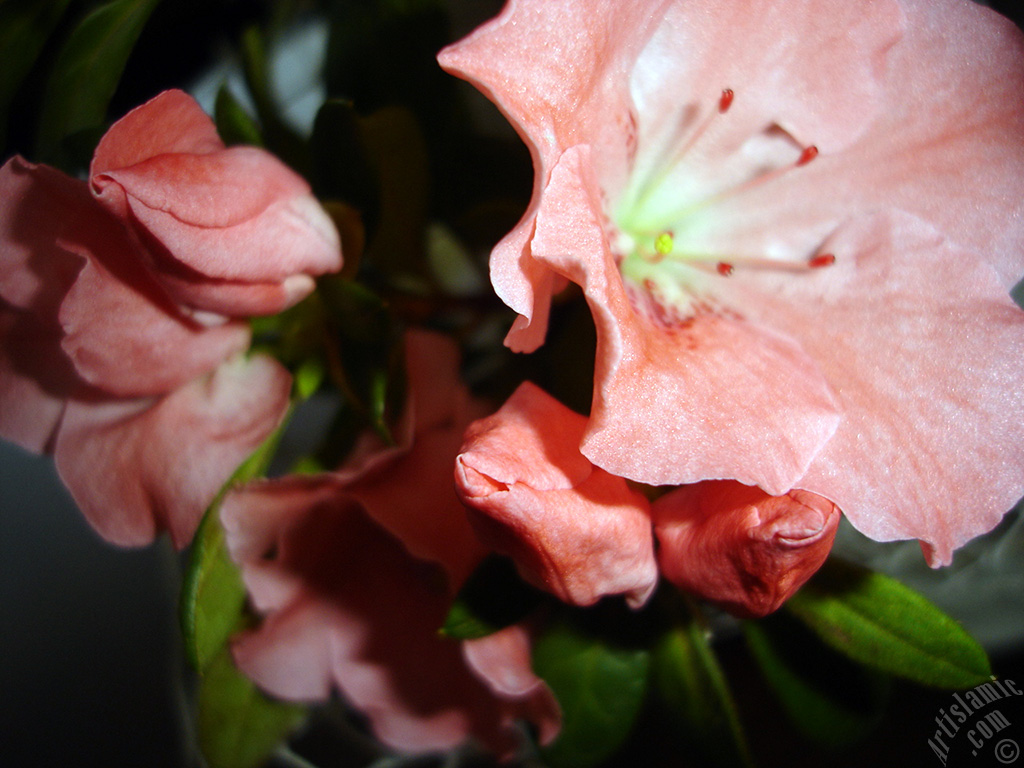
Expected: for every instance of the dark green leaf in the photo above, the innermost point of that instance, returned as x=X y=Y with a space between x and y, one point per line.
x=828 y=697
x=238 y=726
x=234 y=124
x=396 y=150
x=600 y=686
x=25 y=26
x=88 y=69
x=692 y=684
x=878 y=622
x=493 y=598
x=365 y=360
x=278 y=136
x=341 y=169
x=382 y=54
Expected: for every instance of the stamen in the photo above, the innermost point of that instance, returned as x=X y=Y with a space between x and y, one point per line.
x=678 y=148
x=726 y=265
x=663 y=243
x=807 y=155
x=725 y=101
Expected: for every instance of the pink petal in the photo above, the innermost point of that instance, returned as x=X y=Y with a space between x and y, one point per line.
x=37 y=205
x=503 y=660
x=814 y=67
x=232 y=231
x=571 y=528
x=383 y=478
x=235 y=214
x=715 y=397
x=520 y=61
x=137 y=467
x=35 y=380
x=434 y=526
x=170 y=123
x=194 y=291
x=927 y=379
x=739 y=547
x=366 y=623
x=126 y=338
x=945 y=146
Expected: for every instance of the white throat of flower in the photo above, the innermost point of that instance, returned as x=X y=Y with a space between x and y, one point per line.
x=667 y=277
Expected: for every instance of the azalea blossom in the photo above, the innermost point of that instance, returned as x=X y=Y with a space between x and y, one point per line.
x=796 y=226
x=583 y=534
x=122 y=306
x=354 y=572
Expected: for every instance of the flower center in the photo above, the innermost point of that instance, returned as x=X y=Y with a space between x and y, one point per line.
x=660 y=218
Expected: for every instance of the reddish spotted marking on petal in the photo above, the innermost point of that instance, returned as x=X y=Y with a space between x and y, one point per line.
x=724 y=268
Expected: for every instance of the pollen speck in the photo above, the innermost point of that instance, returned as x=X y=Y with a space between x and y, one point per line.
x=663 y=243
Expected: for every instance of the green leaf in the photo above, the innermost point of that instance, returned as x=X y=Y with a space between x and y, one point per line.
x=212 y=594
x=25 y=26
x=829 y=698
x=493 y=598
x=365 y=362
x=341 y=168
x=239 y=727
x=278 y=136
x=398 y=154
x=234 y=124
x=877 y=621
x=692 y=684
x=600 y=686
x=88 y=69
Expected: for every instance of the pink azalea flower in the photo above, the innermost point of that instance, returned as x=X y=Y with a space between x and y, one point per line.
x=583 y=534
x=355 y=572
x=796 y=225
x=113 y=358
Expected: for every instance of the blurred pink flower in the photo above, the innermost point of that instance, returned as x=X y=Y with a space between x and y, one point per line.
x=583 y=534
x=796 y=225
x=120 y=349
x=355 y=571
x=227 y=230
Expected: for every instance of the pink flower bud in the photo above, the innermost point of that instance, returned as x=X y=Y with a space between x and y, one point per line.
x=739 y=547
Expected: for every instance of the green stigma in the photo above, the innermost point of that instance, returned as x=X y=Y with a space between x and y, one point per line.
x=663 y=243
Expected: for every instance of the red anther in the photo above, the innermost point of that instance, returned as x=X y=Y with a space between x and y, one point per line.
x=725 y=101
x=821 y=260
x=807 y=155
x=724 y=269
